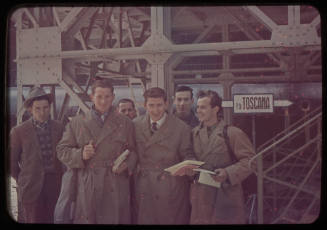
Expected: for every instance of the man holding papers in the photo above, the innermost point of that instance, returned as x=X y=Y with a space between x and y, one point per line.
x=162 y=140
x=95 y=144
x=216 y=195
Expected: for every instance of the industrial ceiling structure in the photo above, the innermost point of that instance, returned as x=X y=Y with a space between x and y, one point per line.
x=165 y=46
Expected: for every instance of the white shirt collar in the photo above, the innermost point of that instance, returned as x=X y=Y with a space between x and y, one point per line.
x=161 y=121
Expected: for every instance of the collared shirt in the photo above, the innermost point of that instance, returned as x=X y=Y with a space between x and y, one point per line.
x=159 y=122
x=98 y=116
x=41 y=125
x=211 y=128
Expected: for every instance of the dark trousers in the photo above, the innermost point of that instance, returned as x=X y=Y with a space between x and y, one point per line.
x=41 y=211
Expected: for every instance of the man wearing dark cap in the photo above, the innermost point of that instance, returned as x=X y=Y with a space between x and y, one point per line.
x=33 y=161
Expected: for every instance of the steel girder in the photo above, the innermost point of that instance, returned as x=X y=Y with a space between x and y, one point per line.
x=148 y=42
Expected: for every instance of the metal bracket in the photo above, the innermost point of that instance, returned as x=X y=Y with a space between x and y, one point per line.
x=299 y=35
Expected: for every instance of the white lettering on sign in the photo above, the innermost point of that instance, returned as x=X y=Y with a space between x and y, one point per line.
x=253 y=103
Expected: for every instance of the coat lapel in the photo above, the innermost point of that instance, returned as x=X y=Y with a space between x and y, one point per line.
x=146 y=131
x=216 y=132
x=204 y=140
x=92 y=127
x=163 y=132
x=110 y=126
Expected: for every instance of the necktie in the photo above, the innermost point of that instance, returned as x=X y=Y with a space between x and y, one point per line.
x=154 y=127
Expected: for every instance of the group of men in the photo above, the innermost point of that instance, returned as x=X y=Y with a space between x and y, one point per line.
x=140 y=191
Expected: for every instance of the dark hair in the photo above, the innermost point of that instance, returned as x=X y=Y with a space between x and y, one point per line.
x=215 y=100
x=155 y=92
x=126 y=100
x=40 y=98
x=103 y=83
x=183 y=88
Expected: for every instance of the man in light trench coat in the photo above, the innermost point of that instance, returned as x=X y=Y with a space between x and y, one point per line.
x=90 y=144
x=162 y=140
x=224 y=205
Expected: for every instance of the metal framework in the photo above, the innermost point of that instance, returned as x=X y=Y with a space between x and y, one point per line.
x=165 y=46
x=289 y=173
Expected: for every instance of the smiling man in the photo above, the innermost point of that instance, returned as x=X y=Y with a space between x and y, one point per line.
x=162 y=140
x=127 y=107
x=33 y=160
x=224 y=205
x=91 y=143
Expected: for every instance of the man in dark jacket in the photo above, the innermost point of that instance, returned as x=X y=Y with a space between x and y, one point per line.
x=183 y=101
x=33 y=161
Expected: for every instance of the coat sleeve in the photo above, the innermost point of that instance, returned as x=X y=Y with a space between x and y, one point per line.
x=186 y=147
x=15 y=150
x=132 y=159
x=68 y=151
x=243 y=150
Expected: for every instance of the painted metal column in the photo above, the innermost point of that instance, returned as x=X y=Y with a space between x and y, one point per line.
x=19 y=109
x=157 y=41
x=227 y=96
x=168 y=77
x=227 y=83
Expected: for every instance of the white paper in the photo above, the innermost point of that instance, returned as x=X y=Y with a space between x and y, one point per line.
x=205 y=178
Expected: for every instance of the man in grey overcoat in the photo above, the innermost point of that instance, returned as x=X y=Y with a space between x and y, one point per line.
x=33 y=161
x=162 y=140
x=224 y=205
x=91 y=143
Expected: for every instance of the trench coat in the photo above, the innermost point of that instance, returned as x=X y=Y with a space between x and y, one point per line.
x=26 y=165
x=160 y=197
x=224 y=205
x=102 y=196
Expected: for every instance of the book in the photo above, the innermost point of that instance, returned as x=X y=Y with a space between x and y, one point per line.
x=183 y=166
x=205 y=171
x=205 y=178
x=120 y=160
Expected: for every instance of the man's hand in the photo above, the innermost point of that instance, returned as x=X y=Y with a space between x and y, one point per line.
x=88 y=151
x=221 y=175
x=121 y=168
x=186 y=170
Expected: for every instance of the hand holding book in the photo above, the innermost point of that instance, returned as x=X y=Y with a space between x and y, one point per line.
x=186 y=170
x=220 y=175
x=119 y=164
x=207 y=177
x=183 y=167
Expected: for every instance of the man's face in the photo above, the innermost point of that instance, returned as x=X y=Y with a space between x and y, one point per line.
x=127 y=109
x=156 y=107
x=183 y=102
x=40 y=110
x=102 y=99
x=205 y=112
